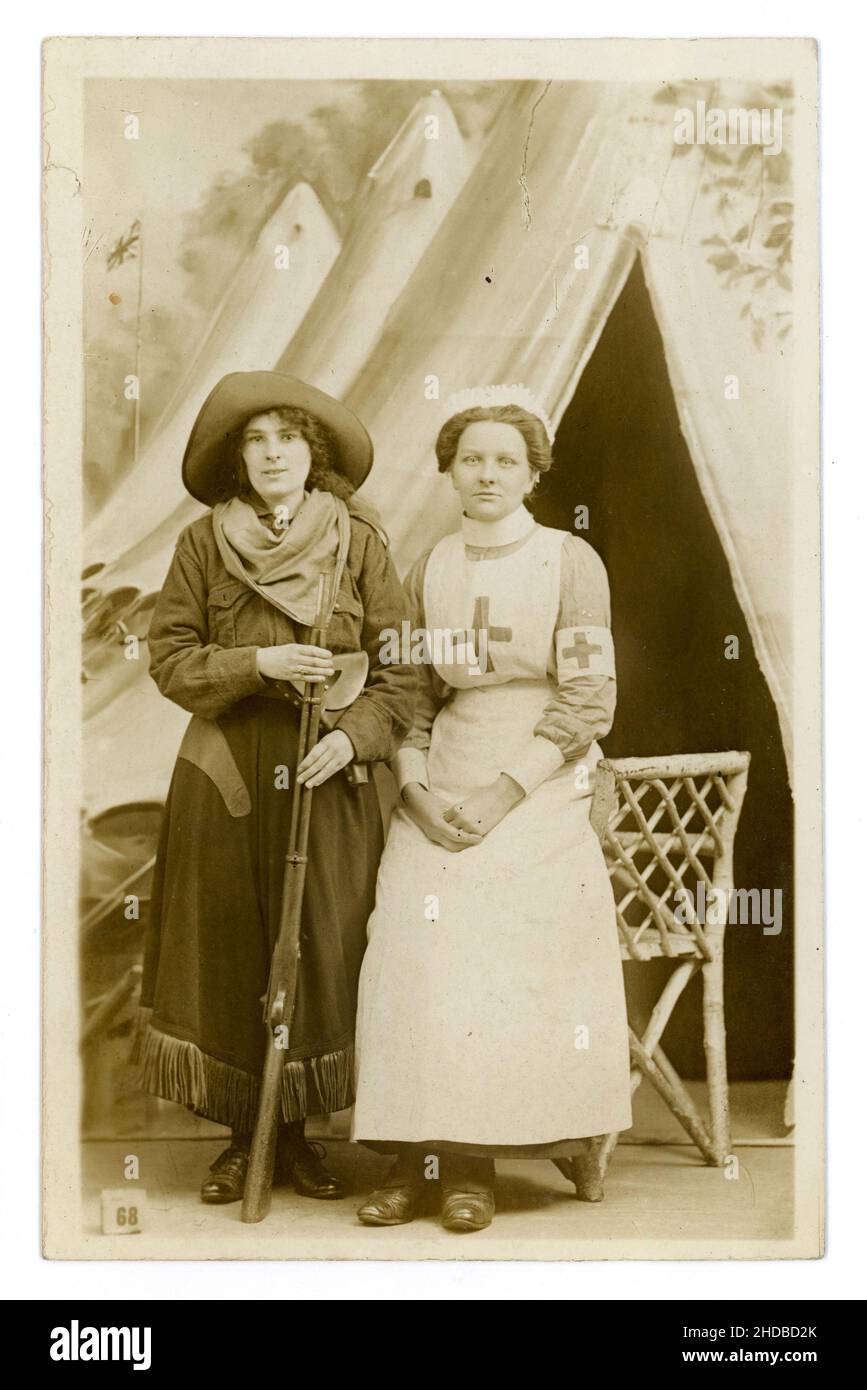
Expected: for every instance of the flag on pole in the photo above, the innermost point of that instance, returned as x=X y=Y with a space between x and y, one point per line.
x=126 y=248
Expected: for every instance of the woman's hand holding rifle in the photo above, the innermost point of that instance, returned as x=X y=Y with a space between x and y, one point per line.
x=328 y=756
x=295 y=661
x=300 y=661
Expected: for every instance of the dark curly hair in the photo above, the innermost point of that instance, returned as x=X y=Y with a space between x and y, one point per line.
x=529 y=426
x=323 y=474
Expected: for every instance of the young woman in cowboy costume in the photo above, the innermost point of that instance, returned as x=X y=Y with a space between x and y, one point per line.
x=278 y=463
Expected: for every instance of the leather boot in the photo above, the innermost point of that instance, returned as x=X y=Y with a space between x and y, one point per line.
x=228 y=1173
x=467 y=1192
x=400 y=1197
x=300 y=1163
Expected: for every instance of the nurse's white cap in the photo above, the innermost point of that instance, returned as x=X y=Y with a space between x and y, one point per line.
x=515 y=394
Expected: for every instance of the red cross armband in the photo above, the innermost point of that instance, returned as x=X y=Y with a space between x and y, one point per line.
x=584 y=651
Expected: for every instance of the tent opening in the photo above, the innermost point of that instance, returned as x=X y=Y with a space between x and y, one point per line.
x=620 y=454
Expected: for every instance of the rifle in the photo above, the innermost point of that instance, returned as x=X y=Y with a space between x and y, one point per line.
x=283 y=979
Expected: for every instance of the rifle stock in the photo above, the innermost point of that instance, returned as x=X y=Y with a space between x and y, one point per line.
x=260 y=1171
x=283 y=978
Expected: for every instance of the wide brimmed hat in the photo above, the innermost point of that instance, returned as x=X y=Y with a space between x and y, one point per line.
x=207 y=468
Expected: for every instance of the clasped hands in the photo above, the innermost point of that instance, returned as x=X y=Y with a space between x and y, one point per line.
x=467 y=821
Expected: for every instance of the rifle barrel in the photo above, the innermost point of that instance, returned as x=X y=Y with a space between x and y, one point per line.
x=283 y=977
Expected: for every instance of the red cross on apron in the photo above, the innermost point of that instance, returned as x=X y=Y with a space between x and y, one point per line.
x=482 y=633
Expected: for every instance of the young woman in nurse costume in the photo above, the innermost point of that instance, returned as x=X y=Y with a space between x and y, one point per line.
x=492 y=1018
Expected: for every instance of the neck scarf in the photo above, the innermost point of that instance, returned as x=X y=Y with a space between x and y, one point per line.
x=283 y=567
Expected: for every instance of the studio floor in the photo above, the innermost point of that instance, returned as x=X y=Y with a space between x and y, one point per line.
x=661 y=1199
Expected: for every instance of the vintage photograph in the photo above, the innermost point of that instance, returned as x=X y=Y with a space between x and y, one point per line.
x=433 y=830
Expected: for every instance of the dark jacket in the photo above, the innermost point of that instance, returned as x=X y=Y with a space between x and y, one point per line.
x=207 y=626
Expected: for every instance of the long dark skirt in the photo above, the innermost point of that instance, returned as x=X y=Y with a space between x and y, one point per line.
x=215 y=913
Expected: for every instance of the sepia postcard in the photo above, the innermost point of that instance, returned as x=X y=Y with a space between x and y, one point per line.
x=433 y=822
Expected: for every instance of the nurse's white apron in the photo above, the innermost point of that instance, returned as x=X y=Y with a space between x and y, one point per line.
x=491 y=1005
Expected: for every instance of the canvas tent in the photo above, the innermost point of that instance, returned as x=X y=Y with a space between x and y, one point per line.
x=534 y=268
x=499 y=298
x=131 y=734
x=275 y=318
x=412 y=186
x=503 y=292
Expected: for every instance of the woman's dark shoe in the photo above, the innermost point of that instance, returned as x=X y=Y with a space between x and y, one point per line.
x=228 y=1175
x=467 y=1211
x=391 y=1206
x=300 y=1163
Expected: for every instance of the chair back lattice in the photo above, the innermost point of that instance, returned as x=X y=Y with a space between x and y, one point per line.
x=667 y=828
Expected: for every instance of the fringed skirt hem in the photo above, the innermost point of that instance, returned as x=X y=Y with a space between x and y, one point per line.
x=178 y=1070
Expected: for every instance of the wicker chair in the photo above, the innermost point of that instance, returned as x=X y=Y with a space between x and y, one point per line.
x=668 y=824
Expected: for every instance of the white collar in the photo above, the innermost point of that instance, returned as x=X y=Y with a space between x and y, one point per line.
x=485 y=534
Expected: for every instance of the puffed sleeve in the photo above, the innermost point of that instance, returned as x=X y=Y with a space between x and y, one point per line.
x=580 y=667
x=380 y=717
x=410 y=762
x=194 y=673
